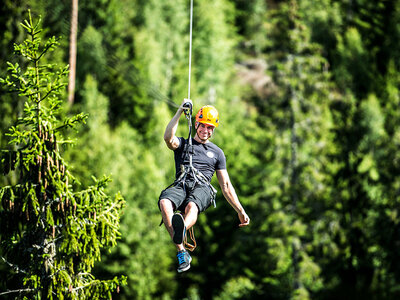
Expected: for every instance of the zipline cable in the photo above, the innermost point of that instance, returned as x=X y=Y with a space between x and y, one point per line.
x=190 y=45
x=188 y=112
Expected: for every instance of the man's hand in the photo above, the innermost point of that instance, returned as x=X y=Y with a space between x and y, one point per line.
x=244 y=219
x=183 y=107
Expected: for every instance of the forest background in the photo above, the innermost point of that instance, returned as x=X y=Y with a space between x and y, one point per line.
x=308 y=95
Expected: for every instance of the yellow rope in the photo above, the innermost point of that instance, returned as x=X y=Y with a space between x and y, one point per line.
x=187 y=245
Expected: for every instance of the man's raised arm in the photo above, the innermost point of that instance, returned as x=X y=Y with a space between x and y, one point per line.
x=169 y=135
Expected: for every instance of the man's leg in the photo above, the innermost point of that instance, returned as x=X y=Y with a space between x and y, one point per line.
x=167 y=212
x=181 y=225
x=191 y=214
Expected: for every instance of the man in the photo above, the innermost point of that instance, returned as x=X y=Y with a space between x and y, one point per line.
x=194 y=194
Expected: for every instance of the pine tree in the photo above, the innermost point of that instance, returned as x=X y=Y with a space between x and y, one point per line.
x=50 y=235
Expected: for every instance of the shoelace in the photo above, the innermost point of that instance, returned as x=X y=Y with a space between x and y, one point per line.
x=181 y=257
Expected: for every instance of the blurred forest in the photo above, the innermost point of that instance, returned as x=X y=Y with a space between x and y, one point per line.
x=308 y=95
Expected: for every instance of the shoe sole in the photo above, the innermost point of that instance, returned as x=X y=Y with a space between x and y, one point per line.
x=179 y=229
x=185 y=269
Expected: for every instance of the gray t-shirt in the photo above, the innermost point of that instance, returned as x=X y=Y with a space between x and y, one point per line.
x=207 y=158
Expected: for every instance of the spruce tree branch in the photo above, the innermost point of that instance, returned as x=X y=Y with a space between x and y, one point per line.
x=94 y=282
x=48 y=93
x=15 y=267
x=112 y=206
x=46 y=49
x=17 y=291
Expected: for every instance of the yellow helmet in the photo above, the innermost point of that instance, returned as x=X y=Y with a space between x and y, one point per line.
x=208 y=115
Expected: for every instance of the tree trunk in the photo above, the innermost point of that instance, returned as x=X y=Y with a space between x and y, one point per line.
x=72 y=51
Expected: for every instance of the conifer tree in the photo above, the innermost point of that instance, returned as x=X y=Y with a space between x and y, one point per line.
x=50 y=235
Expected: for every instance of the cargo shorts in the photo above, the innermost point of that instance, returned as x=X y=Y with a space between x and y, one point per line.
x=183 y=193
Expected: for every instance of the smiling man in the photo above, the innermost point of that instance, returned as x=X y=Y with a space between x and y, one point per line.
x=192 y=192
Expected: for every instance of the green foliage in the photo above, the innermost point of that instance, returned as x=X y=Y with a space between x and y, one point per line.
x=10 y=32
x=50 y=235
x=141 y=254
x=236 y=288
x=352 y=71
x=213 y=44
x=293 y=192
x=250 y=25
x=161 y=46
x=308 y=93
x=108 y=42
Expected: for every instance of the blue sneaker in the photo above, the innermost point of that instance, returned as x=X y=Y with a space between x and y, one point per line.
x=178 y=224
x=184 y=260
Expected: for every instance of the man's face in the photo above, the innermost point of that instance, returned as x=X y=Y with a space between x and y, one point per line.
x=204 y=131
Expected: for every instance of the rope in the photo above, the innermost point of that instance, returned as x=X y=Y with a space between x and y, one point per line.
x=187 y=245
x=190 y=45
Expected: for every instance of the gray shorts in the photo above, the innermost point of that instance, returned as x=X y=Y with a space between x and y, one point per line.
x=180 y=195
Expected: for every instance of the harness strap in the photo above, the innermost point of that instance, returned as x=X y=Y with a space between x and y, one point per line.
x=204 y=180
x=198 y=177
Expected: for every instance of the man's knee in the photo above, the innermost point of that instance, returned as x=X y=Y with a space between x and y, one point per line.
x=166 y=204
x=191 y=207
